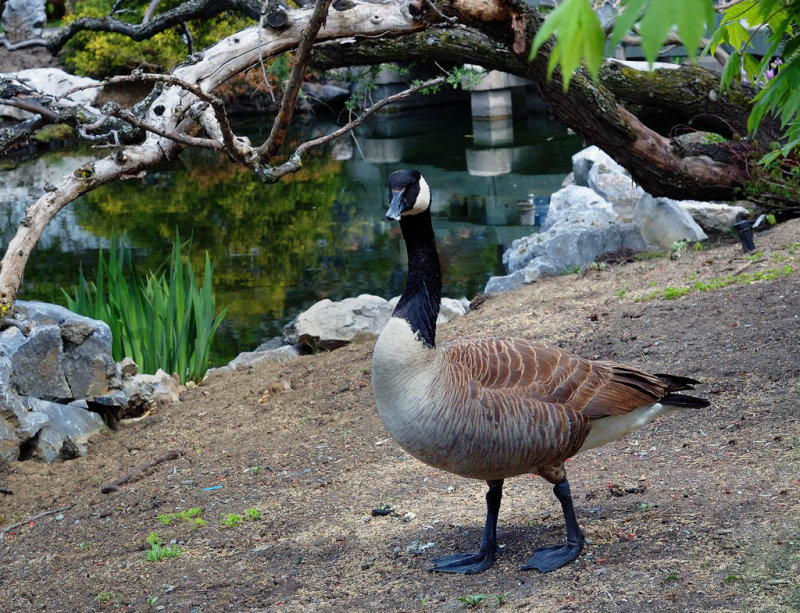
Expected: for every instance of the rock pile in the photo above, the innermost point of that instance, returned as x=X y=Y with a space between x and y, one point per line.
x=59 y=384
x=601 y=210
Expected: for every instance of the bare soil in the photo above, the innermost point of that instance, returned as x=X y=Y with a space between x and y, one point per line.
x=700 y=511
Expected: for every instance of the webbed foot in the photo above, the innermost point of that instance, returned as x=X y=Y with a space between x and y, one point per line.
x=464 y=563
x=551 y=558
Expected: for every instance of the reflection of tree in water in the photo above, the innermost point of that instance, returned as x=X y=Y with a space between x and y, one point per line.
x=270 y=241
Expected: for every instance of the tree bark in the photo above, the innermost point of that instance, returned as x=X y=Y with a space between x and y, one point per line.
x=660 y=164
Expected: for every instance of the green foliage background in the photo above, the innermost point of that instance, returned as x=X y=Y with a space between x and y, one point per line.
x=100 y=54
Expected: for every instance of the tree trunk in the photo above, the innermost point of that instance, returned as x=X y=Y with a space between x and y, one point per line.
x=660 y=164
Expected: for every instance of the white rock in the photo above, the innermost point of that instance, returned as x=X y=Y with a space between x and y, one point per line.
x=663 y=222
x=714 y=216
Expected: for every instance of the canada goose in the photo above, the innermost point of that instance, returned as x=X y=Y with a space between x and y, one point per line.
x=494 y=408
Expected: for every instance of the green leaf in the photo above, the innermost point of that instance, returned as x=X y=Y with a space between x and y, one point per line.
x=656 y=23
x=579 y=37
x=692 y=18
x=625 y=21
x=733 y=67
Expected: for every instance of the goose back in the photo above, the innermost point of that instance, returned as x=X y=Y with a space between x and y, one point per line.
x=493 y=408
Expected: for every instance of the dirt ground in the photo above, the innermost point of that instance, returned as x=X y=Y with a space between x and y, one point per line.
x=700 y=511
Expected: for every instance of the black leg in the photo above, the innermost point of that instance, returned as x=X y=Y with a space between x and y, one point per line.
x=472 y=563
x=551 y=558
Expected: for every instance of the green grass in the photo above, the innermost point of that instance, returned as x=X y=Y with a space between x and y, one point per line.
x=161 y=320
x=716 y=283
x=191 y=515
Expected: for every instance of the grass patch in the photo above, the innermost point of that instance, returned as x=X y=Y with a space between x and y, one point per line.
x=191 y=515
x=162 y=320
x=715 y=283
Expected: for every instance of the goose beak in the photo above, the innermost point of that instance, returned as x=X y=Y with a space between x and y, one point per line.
x=396 y=205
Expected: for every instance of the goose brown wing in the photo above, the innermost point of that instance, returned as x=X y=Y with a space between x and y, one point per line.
x=539 y=372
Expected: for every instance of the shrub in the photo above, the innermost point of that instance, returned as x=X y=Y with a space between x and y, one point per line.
x=100 y=54
x=162 y=320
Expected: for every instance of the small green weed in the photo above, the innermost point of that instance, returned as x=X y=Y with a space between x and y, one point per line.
x=191 y=515
x=732 y=578
x=473 y=600
x=647 y=297
x=501 y=598
x=644 y=506
x=231 y=520
x=754 y=257
x=151 y=600
x=159 y=551
x=112 y=597
x=252 y=514
x=188 y=514
x=678 y=247
x=620 y=292
x=670 y=578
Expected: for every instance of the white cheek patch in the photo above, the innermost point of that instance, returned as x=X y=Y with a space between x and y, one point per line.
x=423 y=202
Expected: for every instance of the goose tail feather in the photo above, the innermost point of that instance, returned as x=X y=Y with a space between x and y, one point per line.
x=676 y=383
x=684 y=401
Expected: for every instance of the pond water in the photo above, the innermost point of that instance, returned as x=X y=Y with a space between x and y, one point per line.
x=321 y=233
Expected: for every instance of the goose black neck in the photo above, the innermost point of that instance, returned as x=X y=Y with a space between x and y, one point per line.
x=421 y=299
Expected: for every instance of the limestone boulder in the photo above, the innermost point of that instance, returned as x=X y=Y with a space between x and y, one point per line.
x=24 y=19
x=328 y=325
x=595 y=169
x=65 y=431
x=663 y=222
x=714 y=216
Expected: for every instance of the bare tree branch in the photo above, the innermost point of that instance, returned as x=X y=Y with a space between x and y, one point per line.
x=228 y=139
x=31 y=107
x=8 y=529
x=301 y=60
x=181 y=139
x=294 y=163
x=151 y=8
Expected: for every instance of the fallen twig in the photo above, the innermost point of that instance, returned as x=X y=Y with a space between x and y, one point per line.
x=132 y=475
x=8 y=529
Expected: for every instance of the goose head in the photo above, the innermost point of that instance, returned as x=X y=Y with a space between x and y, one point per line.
x=409 y=194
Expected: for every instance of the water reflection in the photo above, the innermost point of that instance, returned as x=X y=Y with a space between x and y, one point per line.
x=321 y=233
